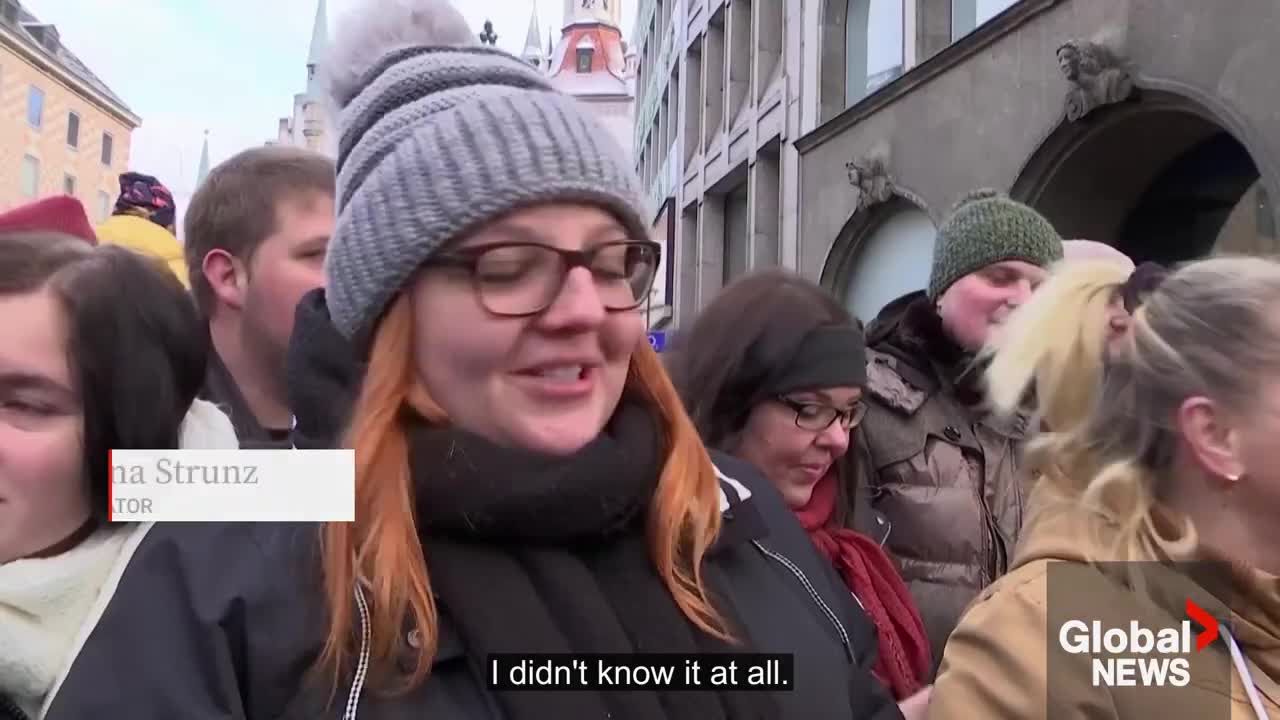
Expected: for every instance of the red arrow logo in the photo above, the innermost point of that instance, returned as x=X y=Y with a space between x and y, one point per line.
x=1209 y=622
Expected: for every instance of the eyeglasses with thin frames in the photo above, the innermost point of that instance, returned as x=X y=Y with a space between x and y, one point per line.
x=818 y=417
x=521 y=279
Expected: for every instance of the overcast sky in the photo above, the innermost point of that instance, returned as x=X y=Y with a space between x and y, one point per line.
x=227 y=66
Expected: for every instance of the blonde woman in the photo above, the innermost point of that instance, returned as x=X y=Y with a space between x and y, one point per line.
x=1162 y=453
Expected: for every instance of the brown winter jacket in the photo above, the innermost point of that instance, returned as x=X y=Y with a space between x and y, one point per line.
x=999 y=661
x=944 y=474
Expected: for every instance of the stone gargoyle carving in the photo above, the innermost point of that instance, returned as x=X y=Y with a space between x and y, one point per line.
x=1097 y=74
x=872 y=180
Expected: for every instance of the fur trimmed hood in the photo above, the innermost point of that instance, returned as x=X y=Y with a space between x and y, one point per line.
x=909 y=329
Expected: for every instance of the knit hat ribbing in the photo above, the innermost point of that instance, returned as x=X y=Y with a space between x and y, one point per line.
x=986 y=227
x=436 y=140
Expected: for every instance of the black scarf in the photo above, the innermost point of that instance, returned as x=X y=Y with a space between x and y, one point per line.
x=532 y=553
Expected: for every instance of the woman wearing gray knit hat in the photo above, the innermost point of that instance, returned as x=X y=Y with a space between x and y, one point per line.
x=527 y=480
x=943 y=470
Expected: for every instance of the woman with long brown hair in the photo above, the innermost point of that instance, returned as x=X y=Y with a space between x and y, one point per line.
x=100 y=349
x=526 y=478
x=773 y=371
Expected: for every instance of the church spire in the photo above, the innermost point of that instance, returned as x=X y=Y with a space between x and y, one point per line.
x=319 y=43
x=532 y=52
x=203 y=171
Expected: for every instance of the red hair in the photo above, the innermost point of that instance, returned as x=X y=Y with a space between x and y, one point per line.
x=381 y=549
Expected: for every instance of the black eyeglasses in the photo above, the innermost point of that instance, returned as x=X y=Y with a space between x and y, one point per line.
x=815 y=416
x=519 y=279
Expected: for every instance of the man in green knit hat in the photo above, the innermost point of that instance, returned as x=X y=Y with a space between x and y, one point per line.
x=942 y=470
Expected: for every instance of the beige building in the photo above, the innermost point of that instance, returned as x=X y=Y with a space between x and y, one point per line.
x=62 y=130
x=311 y=124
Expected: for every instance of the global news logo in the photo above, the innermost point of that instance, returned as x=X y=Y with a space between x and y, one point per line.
x=1137 y=656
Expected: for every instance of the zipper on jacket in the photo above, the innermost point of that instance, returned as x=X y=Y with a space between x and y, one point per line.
x=998 y=551
x=9 y=709
x=362 y=664
x=817 y=599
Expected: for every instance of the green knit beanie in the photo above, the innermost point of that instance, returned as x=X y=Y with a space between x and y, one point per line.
x=986 y=227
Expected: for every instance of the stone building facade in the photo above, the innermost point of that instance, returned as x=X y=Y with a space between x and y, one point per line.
x=1151 y=126
x=717 y=109
x=311 y=125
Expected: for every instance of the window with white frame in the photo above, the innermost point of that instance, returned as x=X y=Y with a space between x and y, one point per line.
x=35 y=106
x=107 y=148
x=73 y=130
x=30 y=176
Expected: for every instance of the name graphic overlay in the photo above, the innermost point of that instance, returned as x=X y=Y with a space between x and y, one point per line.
x=739 y=671
x=232 y=486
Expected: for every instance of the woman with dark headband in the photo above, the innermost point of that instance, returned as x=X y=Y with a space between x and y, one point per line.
x=774 y=373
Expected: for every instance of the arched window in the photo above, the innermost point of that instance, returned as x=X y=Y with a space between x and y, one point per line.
x=893 y=259
x=969 y=14
x=873 y=45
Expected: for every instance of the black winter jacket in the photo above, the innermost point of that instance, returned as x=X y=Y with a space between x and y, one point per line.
x=222 y=621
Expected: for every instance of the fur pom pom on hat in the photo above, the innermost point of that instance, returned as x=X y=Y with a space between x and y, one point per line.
x=973 y=195
x=439 y=135
x=396 y=25
x=987 y=227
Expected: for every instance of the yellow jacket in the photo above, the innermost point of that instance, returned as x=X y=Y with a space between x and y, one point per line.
x=141 y=235
x=1004 y=661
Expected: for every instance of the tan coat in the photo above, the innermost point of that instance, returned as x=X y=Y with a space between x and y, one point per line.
x=998 y=662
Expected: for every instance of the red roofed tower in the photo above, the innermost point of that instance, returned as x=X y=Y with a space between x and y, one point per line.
x=590 y=62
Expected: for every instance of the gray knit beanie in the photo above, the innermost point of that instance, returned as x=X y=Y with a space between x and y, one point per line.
x=986 y=227
x=439 y=135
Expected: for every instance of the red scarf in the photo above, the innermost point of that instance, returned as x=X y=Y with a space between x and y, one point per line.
x=905 y=661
